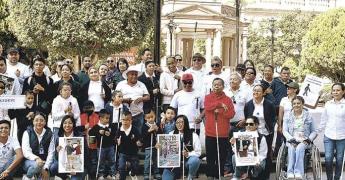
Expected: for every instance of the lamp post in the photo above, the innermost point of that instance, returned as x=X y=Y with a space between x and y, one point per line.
x=157 y=50
x=272 y=29
x=237 y=4
x=173 y=27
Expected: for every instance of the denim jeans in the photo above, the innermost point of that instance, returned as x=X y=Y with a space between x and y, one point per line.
x=133 y=159
x=31 y=168
x=228 y=163
x=6 y=165
x=92 y=164
x=147 y=162
x=330 y=146
x=138 y=122
x=192 y=164
x=296 y=158
x=107 y=160
x=54 y=172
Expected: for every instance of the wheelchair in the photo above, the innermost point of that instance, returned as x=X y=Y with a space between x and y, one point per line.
x=312 y=160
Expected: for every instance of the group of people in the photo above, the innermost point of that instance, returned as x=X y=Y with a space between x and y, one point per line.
x=120 y=109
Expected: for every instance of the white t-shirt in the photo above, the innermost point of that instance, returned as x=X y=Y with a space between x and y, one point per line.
x=188 y=104
x=94 y=93
x=11 y=69
x=7 y=150
x=208 y=79
x=133 y=92
x=287 y=105
x=198 y=78
x=239 y=99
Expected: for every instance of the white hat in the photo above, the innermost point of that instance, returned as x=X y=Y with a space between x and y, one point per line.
x=130 y=68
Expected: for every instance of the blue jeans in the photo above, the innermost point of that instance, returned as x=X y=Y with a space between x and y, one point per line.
x=107 y=160
x=192 y=165
x=31 y=168
x=6 y=165
x=138 y=122
x=330 y=146
x=147 y=162
x=92 y=164
x=296 y=158
x=133 y=159
x=54 y=172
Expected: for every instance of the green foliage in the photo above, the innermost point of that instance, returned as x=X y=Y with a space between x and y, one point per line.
x=80 y=27
x=324 y=45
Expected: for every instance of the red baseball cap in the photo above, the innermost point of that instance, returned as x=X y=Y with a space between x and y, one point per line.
x=187 y=77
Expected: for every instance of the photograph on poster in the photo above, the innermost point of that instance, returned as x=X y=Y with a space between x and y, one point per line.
x=71 y=155
x=169 y=153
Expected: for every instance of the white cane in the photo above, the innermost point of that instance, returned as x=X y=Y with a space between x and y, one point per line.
x=342 y=168
x=117 y=128
x=99 y=155
x=151 y=155
x=182 y=161
x=216 y=119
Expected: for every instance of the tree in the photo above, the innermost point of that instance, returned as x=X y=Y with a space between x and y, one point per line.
x=80 y=27
x=324 y=45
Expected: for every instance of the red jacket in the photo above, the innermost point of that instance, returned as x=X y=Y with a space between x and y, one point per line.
x=213 y=102
x=93 y=120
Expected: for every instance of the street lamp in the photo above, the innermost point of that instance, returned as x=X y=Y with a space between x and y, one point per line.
x=272 y=29
x=173 y=27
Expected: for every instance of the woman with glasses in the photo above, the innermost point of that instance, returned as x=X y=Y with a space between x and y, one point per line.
x=333 y=122
x=299 y=131
x=216 y=72
x=95 y=90
x=251 y=124
x=179 y=60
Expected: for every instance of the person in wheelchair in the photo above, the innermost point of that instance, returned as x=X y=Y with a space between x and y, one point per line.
x=254 y=172
x=299 y=131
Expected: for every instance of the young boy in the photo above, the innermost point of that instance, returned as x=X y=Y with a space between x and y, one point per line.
x=106 y=131
x=168 y=120
x=64 y=104
x=89 y=119
x=128 y=142
x=25 y=116
x=115 y=107
x=150 y=129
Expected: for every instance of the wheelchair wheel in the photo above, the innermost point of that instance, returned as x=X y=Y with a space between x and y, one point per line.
x=281 y=162
x=316 y=163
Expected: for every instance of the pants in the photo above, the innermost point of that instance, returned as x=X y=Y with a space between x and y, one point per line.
x=92 y=164
x=192 y=164
x=6 y=165
x=228 y=163
x=107 y=160
x=138 y=122
x=54 y=172
x=296 y=158
x=254 y=171
x=147 y=162
x=133 y=159
x=269 y=139
x=330 y=146
x=31 y=168
x=212 y=155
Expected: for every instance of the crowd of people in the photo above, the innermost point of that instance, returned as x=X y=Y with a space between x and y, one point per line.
x=120 y=109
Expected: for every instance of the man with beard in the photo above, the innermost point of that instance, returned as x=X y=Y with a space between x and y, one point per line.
x=82 y=74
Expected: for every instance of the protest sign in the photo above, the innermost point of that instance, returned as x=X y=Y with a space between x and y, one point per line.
x=310 y=90
x=12 y=101
x=71 y=154
x=246 y=148
x=169 y=153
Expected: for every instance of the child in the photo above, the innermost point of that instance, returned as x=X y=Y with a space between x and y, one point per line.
x=168 y=122
x=128 y=142
x=107 y=157
x=64 y=104
x=115 y=107
x=25 y=116
x=150 y=129
x=89 y=119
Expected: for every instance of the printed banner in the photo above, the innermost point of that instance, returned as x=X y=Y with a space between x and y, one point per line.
x=169 y=153
x=12 y=101
x=71 y=154
x=246 y=148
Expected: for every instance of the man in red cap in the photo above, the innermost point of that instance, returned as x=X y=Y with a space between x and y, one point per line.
x=189 y=102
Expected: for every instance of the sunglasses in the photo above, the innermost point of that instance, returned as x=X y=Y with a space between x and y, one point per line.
x=178 y=59
x=187 y=82
x=197 y=59
x=249 y=124
x=110 y=61
x=69 y=62
x=2 y=87
x=215 y=65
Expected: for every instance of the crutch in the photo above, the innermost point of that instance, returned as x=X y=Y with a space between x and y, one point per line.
x=216 y=120
x=150 y=174
x=99 y=155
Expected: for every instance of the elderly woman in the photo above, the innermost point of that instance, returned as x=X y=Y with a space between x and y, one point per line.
x=299 y=131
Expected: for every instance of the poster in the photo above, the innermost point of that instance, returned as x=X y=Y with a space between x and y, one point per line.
x=169 y=153
x=246 y=148
x=310 y=90
x=71 y=155
x=9 y=83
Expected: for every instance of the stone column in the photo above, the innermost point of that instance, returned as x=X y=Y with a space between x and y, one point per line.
x=208 y=54
x=168 y=44
x=244 y=45
x=217 y=43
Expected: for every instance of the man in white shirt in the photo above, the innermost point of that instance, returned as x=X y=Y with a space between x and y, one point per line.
x=16 y=85
x=134 y=94
x=10 y=151
x=146 y=54
x=249 y=80
x=216 y=67
x=14 y=66
x=197 y=71
x=170 y=81
x=189 y=102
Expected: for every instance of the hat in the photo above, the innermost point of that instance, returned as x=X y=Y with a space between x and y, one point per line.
x=187 y=77
x=12 y=50
x=129 y=69
x=198 y=55
x=240 y=67
x=293 y=85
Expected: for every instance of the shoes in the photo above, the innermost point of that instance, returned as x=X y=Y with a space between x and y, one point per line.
x=27 y=178
x=158 y=177
x=290 y=176
x=146 y=178
x=133 y=176
x=298 y=176
x=101 y=177
x=111 y=177
x=235 y=178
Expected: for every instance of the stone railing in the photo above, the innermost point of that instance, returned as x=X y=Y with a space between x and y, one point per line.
x=306 y=5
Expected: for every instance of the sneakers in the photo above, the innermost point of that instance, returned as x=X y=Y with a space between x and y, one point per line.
x=101 y=177
x=111 y=177
x=290 y=176
x=298 y=176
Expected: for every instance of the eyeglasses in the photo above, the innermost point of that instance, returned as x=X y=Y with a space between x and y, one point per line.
x=110 y=61
x=187 y=82
x=178 y=59
x=197 y=59
x=39 y=64
x=215 y=65
x=2 y=87
x=249 y=124
x=69 y=62
x=249 y=73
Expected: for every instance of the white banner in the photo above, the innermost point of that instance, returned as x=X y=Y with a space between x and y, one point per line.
x=310 y=90
x=12 y=101
x=246 y=148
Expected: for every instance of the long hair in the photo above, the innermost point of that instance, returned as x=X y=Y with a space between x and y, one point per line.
x=187 y=133
x=61 y=130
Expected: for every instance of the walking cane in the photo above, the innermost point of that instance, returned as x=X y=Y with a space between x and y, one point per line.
x=216 y=120
x=117 y=128
x=151 y=156
x=182 y=161
x=99 y=155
